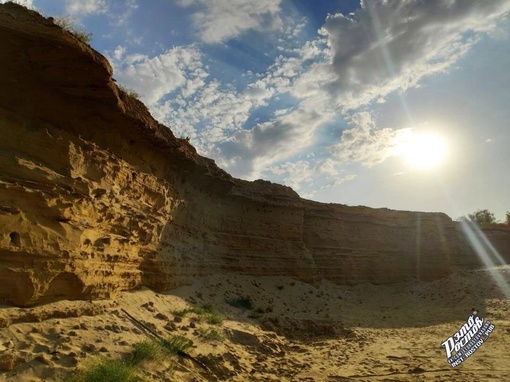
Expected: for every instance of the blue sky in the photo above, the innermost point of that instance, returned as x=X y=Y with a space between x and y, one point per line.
x=323 y=95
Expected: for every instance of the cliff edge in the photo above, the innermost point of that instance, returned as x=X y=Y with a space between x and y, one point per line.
x=96 y=197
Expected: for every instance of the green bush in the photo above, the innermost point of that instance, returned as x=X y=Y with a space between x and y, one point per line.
x=482 y=217
x=148 y=350
x=211 y=334
x=211 y=314
x=181 y=313
x=107 y=370
x=206 y=312
x=177 y=344
x=214 y=318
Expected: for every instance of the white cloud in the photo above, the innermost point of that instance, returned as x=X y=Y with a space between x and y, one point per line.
x=354 y=61
x=308 y=176
x=25 y=3
x=390 y=45
x=294 y=174
x=221 y=117
x=77 y=8
x=338 y=181
x=216 y=116
x=294 y=28
x=276 y=140
x=130 y=6
x=329 y=167
x=364 y=143
x=119 y=52
x=259 y=91
x=220 y=20
x=215 y=110
x=385 y=47
x=155 y=77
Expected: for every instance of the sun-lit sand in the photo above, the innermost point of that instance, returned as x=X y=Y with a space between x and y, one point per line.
x=293 y=331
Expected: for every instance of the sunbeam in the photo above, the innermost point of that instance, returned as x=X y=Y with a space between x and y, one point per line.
x=388 y=61
x=487 y=253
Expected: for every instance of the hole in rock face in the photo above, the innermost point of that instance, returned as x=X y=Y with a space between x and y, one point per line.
x=15 y=239
x=99 y=192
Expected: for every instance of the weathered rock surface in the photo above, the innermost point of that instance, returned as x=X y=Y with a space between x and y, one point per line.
x=96 y=197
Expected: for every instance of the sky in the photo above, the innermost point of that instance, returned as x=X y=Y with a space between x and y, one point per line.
x=395 y=104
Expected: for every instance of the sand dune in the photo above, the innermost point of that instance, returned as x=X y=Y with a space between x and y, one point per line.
x=293 y=331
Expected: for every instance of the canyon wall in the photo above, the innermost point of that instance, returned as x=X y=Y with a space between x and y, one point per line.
x=96 y=197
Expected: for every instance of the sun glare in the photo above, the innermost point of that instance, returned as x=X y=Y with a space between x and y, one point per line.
x=423 y=150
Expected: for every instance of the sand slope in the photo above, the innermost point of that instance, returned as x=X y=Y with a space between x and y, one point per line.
x=293 y=332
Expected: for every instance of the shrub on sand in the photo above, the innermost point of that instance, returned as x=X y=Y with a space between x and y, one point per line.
x=206 y=312
x=211 y=314
x=211 y=334
x=148 y=350
x=181 y=313
x=177 y=344
x=107 y=370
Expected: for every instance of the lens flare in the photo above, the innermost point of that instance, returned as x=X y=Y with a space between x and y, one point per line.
x=488 y=255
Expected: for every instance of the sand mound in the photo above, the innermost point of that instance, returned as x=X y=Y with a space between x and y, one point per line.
x=275 y=329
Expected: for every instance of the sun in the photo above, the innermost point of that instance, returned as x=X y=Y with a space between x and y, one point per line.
x=424 y=151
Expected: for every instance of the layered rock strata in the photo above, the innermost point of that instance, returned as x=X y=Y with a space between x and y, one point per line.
x=96 y=197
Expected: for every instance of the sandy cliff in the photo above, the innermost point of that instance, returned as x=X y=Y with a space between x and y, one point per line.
x=96 y=197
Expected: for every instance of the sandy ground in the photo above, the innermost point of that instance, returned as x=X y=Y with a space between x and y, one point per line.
x=293 y=332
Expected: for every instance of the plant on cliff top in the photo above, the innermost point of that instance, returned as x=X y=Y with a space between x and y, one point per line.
x=23 y=3
x=69 y=26
x=482 y=217
x=130 y=92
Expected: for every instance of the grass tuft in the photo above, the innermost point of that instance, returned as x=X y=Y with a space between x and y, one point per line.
x=177 y=344
x=181 y=313
x=211 y=334
x=130 y=92
x=206 y=312
x=69 y=26
x=107 y=370
x=148 y=350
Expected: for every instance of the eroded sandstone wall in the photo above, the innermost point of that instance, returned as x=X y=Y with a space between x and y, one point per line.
x=83 y=197
x=96 y=197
